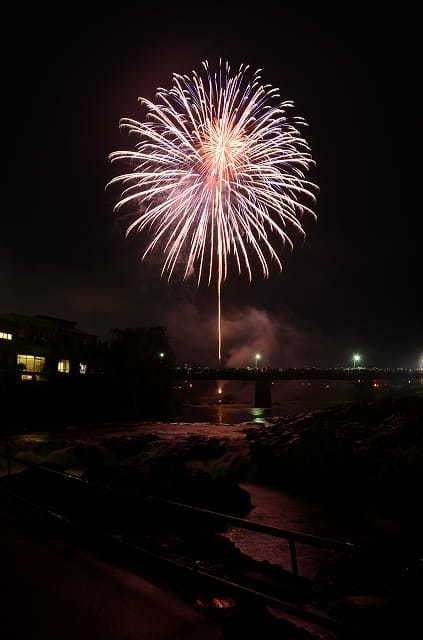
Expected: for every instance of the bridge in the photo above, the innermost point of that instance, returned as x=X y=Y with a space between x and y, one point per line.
x=263 y=377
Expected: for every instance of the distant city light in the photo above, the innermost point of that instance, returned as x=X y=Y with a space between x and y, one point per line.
x=421 y=362
x=161 y=355
x=219 y=390
x=257 y=358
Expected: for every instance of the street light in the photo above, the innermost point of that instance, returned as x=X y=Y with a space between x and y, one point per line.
x=161 y=355
x=257 y=358
x=356 y=359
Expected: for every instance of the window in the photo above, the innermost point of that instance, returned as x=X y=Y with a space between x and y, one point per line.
x=82 y=368
x=31 y=363
x=5 y=336
x=63 y=366
x=25 y=376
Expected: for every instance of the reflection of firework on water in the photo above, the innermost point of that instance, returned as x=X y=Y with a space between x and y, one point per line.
x=218 y=172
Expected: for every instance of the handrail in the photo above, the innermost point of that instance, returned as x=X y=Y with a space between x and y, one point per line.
x=298 y=611
x=41 y=467
x=240 y=523
x=251 y=525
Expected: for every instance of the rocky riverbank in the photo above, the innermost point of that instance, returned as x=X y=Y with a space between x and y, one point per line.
x=376 y=448
x=372 y=446
x=197 y=469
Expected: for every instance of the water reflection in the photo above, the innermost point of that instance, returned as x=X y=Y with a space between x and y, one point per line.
x=224 y=414
x=229 y=401
x=259 y=415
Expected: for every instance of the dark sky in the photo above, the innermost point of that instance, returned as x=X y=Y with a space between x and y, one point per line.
x=354 y=284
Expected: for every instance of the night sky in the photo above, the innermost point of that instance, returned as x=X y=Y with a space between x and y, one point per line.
x=354 y=284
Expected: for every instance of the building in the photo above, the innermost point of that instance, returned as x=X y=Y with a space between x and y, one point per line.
x=38 y=347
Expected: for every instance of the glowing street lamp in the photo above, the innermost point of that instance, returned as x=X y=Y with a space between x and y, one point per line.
x=257 y=358
x=356 y=359
x=161 y=355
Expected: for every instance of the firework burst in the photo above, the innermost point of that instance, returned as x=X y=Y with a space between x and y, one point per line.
x=217 y=174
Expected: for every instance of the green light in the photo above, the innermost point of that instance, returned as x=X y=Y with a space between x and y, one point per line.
x=356 y=358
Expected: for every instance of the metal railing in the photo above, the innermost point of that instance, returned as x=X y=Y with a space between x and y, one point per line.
x=309 y=373
x=293 y=537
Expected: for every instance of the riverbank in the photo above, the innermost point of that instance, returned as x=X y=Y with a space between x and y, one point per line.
x=350 y=447
x=336 y=462
x=351 y=458
x=372 y=448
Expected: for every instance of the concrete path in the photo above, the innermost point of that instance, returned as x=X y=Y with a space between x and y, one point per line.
x=51 y=590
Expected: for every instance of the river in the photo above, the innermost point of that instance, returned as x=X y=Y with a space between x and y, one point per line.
x=224 y=409
x=231 y=401
x=227 y=404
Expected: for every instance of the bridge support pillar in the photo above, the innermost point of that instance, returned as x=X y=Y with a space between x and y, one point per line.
x=262 y=394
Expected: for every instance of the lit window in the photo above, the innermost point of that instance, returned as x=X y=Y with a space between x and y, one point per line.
x=63 y=366
x=31 y=363
x=25 y=376
x=82 y=368
x=5 y=336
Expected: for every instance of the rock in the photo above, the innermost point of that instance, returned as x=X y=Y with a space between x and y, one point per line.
x=127 y=446
x=351 y=446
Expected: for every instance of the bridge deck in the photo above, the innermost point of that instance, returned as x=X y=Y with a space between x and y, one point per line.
x=352 y=374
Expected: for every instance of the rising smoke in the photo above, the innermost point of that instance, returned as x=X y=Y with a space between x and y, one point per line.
x=246 y=331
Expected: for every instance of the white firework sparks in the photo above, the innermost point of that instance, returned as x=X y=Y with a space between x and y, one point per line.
x=218 y=172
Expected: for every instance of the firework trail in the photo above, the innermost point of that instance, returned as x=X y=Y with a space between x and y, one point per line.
x=218 y=173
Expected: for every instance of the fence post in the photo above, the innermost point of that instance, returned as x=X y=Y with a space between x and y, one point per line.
x=294 y=563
